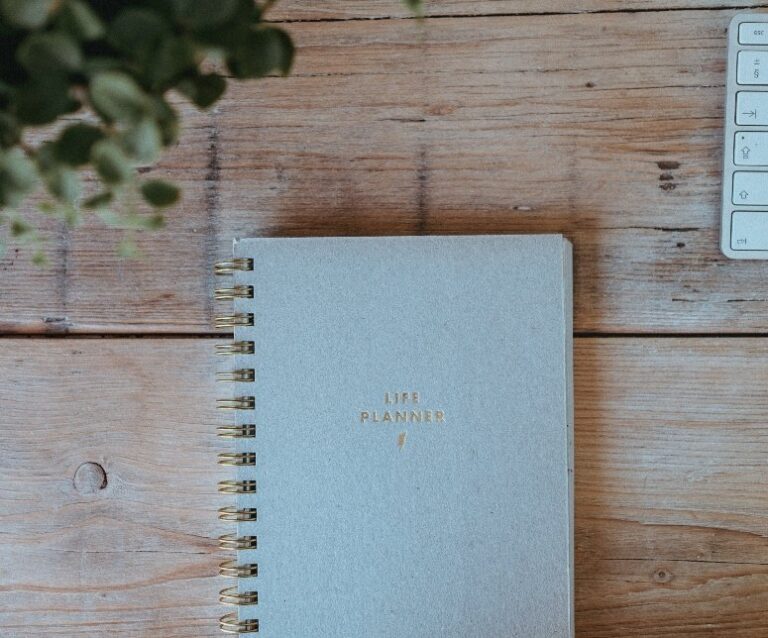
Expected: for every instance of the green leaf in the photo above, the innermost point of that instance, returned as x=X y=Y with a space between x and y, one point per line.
x=110 y=162
x=100 y=63
x=74 y=145
x=41 y=102
x=71 y=214
x=263 y=51
x=226 y=35
x=39 y=258
x=173 y=58
x=10 y=133
x=116 y=96
x=18 y=177
x=109 y=217
x=159 y=193
x=127 y=249
x=98 y=201
x=6 y=91
x=166 y=119
x=204 y=14
x=138 y=31
x=43 y=54
x=203 y=90
x=131 y=221
x=416 y=6
x=62 y=182
x=19 y=169
x=78 y=19
x=45 y=157
x=143 y=140
x=26 y=14
x=156 y=221
x=20 y=228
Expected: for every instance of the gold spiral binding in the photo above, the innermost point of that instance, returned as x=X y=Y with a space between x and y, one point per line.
x=234 y=515
x=234 y=542
x=232 y=321
x=230 y=596
x=229 y=266
x=235 y=292
x=236 y=403
x=244 y=431
x=229 y=624
x=244 y=374
x=237 y=459
x=237 y=347
x=233 y=569
x=237 y=487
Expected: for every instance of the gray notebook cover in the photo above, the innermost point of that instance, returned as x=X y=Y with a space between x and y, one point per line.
x=414 y=425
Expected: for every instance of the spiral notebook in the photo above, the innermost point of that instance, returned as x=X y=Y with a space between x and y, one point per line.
x=402 y=437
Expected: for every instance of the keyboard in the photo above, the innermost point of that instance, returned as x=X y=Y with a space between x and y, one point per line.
x=744 y=226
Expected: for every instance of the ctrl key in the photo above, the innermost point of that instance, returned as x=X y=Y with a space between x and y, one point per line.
x=749 y=230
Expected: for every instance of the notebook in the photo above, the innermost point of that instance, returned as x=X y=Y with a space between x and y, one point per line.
x=401 y=436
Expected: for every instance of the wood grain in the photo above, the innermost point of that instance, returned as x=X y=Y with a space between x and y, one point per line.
x=597 y=118
x=136 y=557
x=377 y=9
x=672 y=513
x=461 y=125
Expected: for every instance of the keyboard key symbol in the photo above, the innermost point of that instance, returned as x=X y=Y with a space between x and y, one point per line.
x=745 y=152
x=743 y=194
x=752 y=114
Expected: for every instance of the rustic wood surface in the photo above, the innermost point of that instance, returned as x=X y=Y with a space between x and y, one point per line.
x=292 y=10
x=671 y=502
x=605 y=126
x=597 y=118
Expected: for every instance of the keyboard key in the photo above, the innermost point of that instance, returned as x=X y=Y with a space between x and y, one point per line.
x=752 y=108
x=752 y=67
x=750 y=188
x=753 y=33
x=749 y=230
x=750 y=148
x=744 y=210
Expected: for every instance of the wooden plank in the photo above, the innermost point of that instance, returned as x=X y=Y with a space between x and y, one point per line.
x=377 y=9
x=87 y=288
x=465 y=125
x=132 y=554
x=672 y=516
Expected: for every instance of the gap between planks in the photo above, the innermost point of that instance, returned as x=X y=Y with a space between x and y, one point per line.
x=216 y=335
x=522 y=14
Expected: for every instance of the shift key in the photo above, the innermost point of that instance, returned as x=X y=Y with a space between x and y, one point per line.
x=752 y=108
x=750 y=188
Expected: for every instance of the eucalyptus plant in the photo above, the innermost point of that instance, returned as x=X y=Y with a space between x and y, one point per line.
x=98 y=73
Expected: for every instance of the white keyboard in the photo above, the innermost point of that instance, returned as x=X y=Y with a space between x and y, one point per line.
x=744 y=228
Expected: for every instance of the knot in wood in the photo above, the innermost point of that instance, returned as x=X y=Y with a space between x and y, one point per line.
x=90 y=478
x=662 y=576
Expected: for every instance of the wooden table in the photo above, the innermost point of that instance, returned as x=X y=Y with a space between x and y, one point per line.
x=600 y=119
